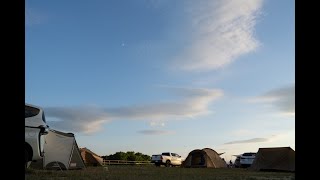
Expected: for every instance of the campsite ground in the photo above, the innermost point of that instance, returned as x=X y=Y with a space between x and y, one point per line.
x=151 y=172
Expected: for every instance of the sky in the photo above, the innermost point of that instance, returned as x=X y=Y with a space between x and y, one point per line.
x=155 y=76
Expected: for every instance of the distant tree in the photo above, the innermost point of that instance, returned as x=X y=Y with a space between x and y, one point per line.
x=139 y=156
x=146 y=157
x=117 y=156
x=131 y=156
x=128 y=156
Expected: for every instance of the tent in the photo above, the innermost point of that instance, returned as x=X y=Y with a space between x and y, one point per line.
x=60 y=152
x=90 y=158
x=207 y=158
x=274 y=159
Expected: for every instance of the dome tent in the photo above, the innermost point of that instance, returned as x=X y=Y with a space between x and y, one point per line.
x=205 y=158
x=90 y=158
x=274 y=159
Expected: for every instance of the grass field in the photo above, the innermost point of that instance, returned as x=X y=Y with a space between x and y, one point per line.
x=154 y=173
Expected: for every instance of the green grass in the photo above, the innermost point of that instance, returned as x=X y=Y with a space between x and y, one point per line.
x=154 y=173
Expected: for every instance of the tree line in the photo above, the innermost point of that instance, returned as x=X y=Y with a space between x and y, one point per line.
x=128 y=156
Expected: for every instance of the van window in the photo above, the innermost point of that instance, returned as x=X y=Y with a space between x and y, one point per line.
x=30 y=111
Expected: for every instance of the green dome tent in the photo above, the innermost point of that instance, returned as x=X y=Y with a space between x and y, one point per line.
x=274 y=159
x=204 y=158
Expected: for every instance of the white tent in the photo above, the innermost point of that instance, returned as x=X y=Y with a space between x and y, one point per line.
x=61 y=151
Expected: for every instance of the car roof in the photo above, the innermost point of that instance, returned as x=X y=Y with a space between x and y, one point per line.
x=31 y=105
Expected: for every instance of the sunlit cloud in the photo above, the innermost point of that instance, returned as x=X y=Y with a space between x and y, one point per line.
x=76 y=119
x=281 y=138
x=222 y=31
x=193 y=102
x=282 y=98
x=253 y=140
x=155 y=132
x=89 y=119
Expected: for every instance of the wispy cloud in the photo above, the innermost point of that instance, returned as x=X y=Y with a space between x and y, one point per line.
x=33 y=17
x=281 y=137
x=89 y=119
x=155 y=132
x=222 y=30
x=194 y=102
x=282 y=98
x=254 y=140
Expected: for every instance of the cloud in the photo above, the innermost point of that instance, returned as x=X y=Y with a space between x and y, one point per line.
x=155 y=132
x=254 y=140
x=77 y=119
x=194 y=102
x=33 y=17
x=222 y=31
x=282 y=98
x=283 y=137
x=89 y=119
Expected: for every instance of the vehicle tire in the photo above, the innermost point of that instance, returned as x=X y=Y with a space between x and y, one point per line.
x=157 y=164
x=168 y=163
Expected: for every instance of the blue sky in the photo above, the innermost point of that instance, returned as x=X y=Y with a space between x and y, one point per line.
x=158 y=75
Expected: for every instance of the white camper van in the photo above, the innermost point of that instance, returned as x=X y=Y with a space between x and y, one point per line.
x=35 y=131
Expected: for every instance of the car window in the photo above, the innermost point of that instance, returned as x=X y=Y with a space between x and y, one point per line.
x=30 y=111
x=248 y=154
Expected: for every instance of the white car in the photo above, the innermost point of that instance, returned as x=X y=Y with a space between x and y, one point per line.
x=35 y=131
x=167 y=158
x=246 y=159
